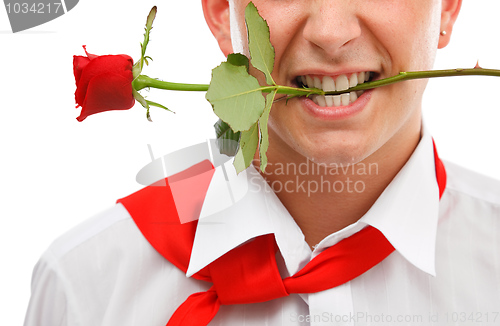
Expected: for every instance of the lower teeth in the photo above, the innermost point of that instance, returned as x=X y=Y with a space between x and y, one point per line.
x=336 y=100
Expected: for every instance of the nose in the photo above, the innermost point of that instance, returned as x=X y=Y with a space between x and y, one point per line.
x=332 y=24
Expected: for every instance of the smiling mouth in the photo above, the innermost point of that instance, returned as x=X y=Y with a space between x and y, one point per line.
x=338 y=83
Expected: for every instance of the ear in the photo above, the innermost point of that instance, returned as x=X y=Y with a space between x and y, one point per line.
x=217 y=16
x=449 y=14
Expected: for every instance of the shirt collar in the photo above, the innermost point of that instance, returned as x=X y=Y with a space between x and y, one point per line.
x=407 y=211
x=240 y=207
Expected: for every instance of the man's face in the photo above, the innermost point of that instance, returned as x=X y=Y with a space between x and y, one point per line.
x=321 y=43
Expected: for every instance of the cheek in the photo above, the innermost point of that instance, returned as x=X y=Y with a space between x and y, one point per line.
x=280 y=122
x=286 y=128
x=406 y=30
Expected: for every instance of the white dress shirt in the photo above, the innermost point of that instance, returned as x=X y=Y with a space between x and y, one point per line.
x=445 y=269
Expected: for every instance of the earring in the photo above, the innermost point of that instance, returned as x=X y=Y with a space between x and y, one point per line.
x=443 y=33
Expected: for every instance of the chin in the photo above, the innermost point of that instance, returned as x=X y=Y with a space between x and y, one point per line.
x=339 y=153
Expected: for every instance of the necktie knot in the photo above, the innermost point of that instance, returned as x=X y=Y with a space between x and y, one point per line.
x=253 y=279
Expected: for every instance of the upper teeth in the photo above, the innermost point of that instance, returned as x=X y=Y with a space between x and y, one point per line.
x=340 y=83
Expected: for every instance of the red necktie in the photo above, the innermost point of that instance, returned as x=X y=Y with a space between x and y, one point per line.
x=249 y=273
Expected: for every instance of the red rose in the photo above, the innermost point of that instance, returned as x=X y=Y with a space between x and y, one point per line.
x=103 y=83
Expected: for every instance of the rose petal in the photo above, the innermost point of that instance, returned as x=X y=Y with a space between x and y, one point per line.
x=79 y=63
x=107 y=92
x=89 y=55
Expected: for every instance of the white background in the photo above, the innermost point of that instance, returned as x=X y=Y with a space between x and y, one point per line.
x=55 y=172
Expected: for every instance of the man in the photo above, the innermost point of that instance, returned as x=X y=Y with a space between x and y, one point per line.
x=339 y=166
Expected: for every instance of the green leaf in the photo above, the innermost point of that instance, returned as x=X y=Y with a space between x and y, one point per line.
x=139 y=98
x=248 y=146
x=264 y=134
x=238 y=59
x=158 y=105
x=235 y=96
x=261 y=50
x=227 y=139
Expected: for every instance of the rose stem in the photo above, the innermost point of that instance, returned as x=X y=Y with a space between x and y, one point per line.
x=402 y=76
x=143 y=81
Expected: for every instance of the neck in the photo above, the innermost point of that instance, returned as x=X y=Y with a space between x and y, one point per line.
x=324 y=199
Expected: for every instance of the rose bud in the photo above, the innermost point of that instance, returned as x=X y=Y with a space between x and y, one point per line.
x=103 y=83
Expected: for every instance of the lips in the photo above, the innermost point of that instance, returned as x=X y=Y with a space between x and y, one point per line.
x=335 y=83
